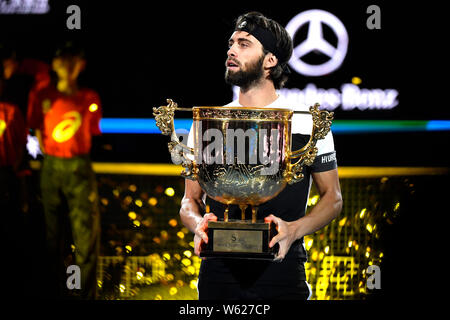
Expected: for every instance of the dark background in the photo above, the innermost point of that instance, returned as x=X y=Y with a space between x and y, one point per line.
x=140 y=53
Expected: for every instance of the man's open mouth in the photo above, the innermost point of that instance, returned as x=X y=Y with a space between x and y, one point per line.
x=231 y=64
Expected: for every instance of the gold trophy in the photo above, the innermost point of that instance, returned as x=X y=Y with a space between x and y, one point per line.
x=242 y=156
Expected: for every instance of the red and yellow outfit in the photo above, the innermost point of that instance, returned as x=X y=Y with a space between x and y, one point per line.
x=67 y=124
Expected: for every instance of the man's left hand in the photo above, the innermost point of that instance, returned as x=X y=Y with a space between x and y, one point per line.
x=285 y=237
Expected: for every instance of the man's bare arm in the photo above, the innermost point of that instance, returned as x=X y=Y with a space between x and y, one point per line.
x=328 y=207
x=192 y=205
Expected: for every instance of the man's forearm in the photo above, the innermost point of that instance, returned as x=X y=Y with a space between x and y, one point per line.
x=326 y=210
x=190 y=213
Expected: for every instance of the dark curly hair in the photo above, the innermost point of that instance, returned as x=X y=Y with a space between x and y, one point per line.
x=280 y=73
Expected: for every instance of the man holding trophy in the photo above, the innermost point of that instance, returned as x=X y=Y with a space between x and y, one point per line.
x=245 y=259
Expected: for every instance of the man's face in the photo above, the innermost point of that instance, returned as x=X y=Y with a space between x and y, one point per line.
x=245 y=59
x=68 y=68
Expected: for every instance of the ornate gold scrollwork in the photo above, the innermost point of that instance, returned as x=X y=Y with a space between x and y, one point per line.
x=250 y=114
x=321 y=126
x=321 y=120
x=164 y=116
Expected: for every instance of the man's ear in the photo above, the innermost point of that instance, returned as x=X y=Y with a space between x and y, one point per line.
x=270 y=61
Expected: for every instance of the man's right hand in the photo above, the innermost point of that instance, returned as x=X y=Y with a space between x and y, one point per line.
x=201 y=232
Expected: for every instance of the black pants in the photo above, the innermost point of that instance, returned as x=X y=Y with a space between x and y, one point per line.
x=71 y=182
x=234 y=291
x=234 y=279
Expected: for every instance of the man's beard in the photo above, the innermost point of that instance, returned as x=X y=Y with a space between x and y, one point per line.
x=246 y=79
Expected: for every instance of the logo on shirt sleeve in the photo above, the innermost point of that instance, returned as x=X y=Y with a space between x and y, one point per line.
x=66 y=129
x=328 y=157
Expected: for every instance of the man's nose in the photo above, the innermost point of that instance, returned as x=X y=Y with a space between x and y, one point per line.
x=231 y=52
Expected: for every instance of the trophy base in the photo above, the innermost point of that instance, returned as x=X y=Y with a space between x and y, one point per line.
x=240 y=239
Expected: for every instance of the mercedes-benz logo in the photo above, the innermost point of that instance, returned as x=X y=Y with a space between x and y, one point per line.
x=315 y=42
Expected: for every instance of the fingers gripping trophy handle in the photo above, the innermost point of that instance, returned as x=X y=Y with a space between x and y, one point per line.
x=164 y=116
x=321 y=126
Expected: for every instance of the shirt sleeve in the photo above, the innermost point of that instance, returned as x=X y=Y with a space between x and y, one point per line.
x=326 y=155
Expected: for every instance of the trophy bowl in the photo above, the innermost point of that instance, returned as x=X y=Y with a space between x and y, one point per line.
x=242 y=153
x=241 y=156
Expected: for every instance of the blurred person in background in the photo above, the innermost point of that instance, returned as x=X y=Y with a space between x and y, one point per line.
x=22 y=77
x=12 y=144
x=65 y=117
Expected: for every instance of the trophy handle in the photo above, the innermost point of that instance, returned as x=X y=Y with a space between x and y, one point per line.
x=321 y=126
x=164 y=116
